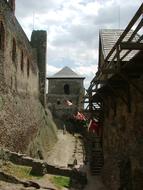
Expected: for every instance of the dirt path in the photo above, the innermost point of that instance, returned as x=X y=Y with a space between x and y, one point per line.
x=67 y=147
x=62 y=151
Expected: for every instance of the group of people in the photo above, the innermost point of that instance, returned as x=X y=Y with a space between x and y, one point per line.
x=92 y=125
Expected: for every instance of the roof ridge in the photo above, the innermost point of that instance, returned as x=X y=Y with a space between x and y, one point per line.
x=66 y=72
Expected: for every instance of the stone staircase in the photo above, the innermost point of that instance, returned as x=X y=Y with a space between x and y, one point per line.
x=96 y=158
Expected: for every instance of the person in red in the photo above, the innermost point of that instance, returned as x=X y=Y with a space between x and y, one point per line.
x=94 y=126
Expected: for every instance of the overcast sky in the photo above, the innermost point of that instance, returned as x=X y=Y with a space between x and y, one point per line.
x=73 y=29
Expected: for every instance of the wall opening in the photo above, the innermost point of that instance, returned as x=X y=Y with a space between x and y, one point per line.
x=66 y=89
x=14 y=50
x=2 y=36
x=58 y=102
x=22 y=62
x=28 y=67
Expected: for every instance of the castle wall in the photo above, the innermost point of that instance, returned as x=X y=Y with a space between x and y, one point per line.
x=25 y=125
x=39 y=42
x=15 y=72
x=123 y=142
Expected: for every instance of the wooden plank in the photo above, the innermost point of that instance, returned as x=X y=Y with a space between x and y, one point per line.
x=131 y=46
x=140 y=38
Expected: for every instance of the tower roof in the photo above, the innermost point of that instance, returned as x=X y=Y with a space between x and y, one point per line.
x=66 y=72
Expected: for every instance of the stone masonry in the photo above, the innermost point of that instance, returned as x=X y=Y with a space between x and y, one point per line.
x=25 y=125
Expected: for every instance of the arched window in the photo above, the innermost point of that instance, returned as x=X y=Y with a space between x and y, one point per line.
x=22 y=62
x=13 y=50
x=2 y=36
x=66 y=89
x=28 y=67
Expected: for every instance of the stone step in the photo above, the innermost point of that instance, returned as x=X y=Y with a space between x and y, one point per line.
x=97 y=155
x=93 y=164
x=95 y=169
x=96 y=160
x=95 y=173
x=97 y=164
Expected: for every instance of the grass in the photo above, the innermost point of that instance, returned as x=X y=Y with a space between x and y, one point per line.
x=60 y=181
x=22 y=172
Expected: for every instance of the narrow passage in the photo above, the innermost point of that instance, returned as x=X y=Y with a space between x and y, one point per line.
x=68 y=148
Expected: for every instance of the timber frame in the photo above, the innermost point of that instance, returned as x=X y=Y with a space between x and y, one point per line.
x=118 y=73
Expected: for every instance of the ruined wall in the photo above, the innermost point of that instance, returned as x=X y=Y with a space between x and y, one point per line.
x=123 y=142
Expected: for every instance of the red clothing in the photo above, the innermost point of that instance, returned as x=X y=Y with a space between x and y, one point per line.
x=94 y=126
x=80 y=116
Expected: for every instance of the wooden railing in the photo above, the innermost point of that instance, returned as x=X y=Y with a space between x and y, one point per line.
x=130 y=40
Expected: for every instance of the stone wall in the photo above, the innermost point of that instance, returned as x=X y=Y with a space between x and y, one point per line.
x=41 y=167
x=123 y=141
x=39 y=43
x=25 y=126
x=17 y=57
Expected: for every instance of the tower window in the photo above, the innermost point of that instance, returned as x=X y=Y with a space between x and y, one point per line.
x=2 y=36
x=13 y=50
x=22 y=62
x=66 y=89
x=58 y=102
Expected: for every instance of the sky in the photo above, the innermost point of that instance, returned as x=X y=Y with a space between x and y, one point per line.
x=73 y=29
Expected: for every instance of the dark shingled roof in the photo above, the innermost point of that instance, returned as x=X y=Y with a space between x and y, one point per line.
x=66 y=72
x=108 y=39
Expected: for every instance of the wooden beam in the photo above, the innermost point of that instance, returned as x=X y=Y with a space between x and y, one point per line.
x=128 y=28
x=86 y=107
x=108 y=71
x=131 y=46
x=118 y=50
x=135 y=31
x=140 y=39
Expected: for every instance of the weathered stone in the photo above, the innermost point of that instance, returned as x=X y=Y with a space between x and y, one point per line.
x=23 y=122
